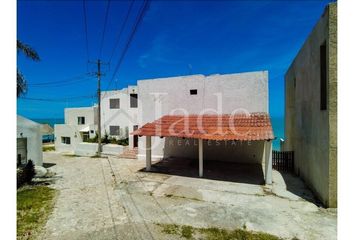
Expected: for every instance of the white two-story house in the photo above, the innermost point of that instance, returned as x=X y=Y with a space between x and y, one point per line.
x=119 y=114
x=80 y=125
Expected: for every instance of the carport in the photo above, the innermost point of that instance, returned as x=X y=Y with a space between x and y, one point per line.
x=223 y=127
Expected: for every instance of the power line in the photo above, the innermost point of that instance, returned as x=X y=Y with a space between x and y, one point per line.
x=121 y=30
x=64 y=81
x=63 y=84
x=135 y=27
x=104 y=27
x=59 y=99
x=85 y=25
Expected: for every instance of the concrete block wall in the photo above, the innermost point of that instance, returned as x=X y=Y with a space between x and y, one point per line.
x=86 y=149
x=310 y=131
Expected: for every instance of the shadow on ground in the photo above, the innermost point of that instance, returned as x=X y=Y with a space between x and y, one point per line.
x=296 y=186
x=48 y=165
x=214 y=170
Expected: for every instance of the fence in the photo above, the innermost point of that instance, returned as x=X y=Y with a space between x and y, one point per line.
x=283 y=160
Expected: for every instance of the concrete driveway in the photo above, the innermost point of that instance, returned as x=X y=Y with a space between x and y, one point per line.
x=112 y=198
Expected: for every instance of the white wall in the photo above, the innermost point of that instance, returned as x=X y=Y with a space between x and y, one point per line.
x=113 y=149
x=125 y=117
x=64 y=130
x=71 y=115
x=71 y=128
x=216 y=93
x=86 y=149
x=32 y=131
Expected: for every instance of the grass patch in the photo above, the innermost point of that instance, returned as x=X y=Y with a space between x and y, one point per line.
x=189 y=232
x=48 y=148
x=70 y=155
x=34 y=205
x=222 y=234
x=96 y=156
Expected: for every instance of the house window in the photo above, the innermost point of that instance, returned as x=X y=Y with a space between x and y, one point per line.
x=65 y=140
x=114 y=130
x=193 y=92
x=133 y=100
x=323 y=66
x=81 y=120
x=114 y=103
x=92 y=131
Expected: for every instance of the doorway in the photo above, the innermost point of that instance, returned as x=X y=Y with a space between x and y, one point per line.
x=135 y=141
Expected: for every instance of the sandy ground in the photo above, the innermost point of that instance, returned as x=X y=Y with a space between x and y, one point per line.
x=112 y=198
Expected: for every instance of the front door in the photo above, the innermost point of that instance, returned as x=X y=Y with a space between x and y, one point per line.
x=135 y=143
x=21 y=151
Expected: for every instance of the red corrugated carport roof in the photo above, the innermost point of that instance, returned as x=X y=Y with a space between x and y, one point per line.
x=241 y=127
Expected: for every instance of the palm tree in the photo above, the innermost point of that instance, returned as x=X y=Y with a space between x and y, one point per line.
x=30 y=53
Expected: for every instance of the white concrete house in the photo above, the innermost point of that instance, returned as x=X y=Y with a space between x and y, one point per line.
x=196 y=94
x=29 y=141
x=80 y=125
x=219 y=96
x=119 y=113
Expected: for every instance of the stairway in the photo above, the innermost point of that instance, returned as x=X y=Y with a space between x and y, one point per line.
x=129 y=153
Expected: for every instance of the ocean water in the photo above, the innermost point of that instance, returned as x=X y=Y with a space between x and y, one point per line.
x=50 y=121
x=278 y=129
x=277 y=123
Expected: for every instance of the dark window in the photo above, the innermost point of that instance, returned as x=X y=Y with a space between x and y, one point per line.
x=133 y=100
x=114 y=130
x=323 y=59
x=65 y=140
x=81 y=120
x=193 y=91
x=92 y=131
x=135 y=140
x=114 y=103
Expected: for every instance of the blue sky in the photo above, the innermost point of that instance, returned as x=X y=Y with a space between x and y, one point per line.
x=174 y=38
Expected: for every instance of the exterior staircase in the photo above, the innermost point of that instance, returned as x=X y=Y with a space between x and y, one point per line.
x=129 y=153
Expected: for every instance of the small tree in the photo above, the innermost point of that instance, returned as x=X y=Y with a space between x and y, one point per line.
x=105 y=138
x=28 y=171
x=26 y=174
x=30 y=53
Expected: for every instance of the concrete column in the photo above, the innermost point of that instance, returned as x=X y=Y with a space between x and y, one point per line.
x=200 y=145
x=148 y=153
x=268 y=162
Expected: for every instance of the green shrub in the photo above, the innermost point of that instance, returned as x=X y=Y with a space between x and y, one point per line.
x=107 y=139
x=26 y=174
x=124 y=142
x=93 y=140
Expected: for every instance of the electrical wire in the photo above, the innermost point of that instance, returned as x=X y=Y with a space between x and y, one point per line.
x=85 y=26
x=121 y=30
x=74 y=79
x=104 y=27
x=63 y=84
x=131 y=36
x=74 y=98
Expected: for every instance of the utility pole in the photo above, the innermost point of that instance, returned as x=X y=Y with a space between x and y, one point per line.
x=99 y=75
x=99 y=150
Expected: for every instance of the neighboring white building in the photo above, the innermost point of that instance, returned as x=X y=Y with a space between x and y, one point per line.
x=119 y=113
x=80 y=124
x=29 y=141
